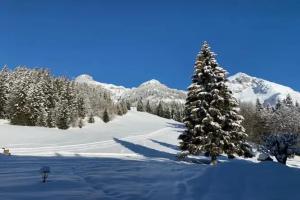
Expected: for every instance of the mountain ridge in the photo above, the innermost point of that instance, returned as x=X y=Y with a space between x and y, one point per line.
x=245 y=88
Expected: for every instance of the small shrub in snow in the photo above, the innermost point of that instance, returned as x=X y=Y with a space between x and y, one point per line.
x=45 y=173
x=80 y=123
x=282 y=146
x=91 y=119
x=264 y=157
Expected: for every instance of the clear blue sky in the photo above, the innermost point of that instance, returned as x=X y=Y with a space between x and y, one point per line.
x=128 y=42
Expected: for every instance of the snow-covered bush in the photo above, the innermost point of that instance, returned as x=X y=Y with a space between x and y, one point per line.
x=282 y=146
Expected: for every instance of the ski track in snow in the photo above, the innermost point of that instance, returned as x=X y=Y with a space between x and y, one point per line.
x=132 y=157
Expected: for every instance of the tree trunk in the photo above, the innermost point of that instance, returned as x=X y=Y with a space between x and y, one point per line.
x=281 y=159
x=213 y=160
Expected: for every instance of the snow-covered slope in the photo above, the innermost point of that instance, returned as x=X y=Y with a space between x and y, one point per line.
x=94 y=139
x=132 y=157
x=247 y=88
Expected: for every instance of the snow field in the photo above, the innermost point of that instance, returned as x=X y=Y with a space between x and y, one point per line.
x=131 y=157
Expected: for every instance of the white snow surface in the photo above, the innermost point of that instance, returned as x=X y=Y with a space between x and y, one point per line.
x=244 y=87
x=131 y=157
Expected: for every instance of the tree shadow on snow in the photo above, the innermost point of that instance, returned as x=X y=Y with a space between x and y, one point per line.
x=176 y=125
x=145 y=151
x=170 y=146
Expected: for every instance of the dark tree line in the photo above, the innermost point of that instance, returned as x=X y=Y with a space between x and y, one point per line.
x=170 y=110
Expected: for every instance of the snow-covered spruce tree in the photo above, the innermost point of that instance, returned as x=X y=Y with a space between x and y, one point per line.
x=64 y=106
x=81 y=108
x=128 y=105
x=160 y=110
x=288 y=101
x=140 y=106
x=4 y=73
x=148 y=107
x=284 y=119
x=211 y=112
x=18 y=109
x=105 y=117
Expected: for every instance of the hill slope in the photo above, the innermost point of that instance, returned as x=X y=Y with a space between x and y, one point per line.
x=132 y=157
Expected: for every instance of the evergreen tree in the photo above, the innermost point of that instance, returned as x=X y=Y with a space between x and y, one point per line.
x=288 y=101
x=120 y=110
x=211 y=113
x=4 y=73
x=140 y=106
x=91 y=119
x=128 y=105
x=160 y=110
x=177 y=116
x=81 y=107
x=63 y=115
x=105 y=116
x=80 y=123
x=278 y=104
x=18 y=107
x=259 y=106
x=167 y=113
x=148 y=107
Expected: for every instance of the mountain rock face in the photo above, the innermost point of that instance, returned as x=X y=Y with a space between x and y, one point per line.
x=244 y=87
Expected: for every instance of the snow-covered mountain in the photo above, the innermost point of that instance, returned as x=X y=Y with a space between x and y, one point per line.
x=247 y=89
x=116 y=91
x=244 y=87
x=152 y=90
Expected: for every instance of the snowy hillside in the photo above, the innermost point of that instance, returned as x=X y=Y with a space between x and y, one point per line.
x=132 y=157
x=247 y=88
x=244 y=87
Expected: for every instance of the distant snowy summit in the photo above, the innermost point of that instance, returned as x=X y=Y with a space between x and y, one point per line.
x=247 y=89
x=116 y=91
x=244 y=87
x=151 y=90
